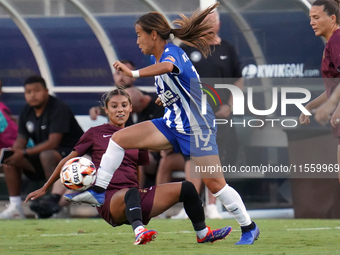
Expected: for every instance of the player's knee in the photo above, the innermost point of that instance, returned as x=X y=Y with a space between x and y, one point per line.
x=188 y=191
x=131 y=194
x=117 y=137
x=48 y=157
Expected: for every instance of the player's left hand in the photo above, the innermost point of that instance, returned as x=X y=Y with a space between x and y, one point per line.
x=159 y=101
x=323 y=113
x=123 y=68
x=224 y=111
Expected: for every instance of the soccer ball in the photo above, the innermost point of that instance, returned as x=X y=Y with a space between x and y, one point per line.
x=78 y=174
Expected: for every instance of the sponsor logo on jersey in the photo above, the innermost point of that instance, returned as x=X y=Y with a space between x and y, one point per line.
x=43 y=127
x=168 y=98
x=106 y=135
x=223 y=57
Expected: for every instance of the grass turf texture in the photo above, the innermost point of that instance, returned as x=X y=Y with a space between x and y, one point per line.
x=94 y=236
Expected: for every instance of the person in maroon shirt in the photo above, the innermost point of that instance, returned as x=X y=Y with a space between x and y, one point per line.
x=325 y=20
x=124 y=202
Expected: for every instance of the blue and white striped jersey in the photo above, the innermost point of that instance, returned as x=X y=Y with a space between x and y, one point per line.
x=181 y=94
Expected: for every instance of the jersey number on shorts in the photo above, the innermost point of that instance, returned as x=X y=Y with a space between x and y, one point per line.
x=202 y=138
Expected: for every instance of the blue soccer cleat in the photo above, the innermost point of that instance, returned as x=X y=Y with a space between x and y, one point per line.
x=145 y=236
x=88 y=196
x=249 y=237
x=214 y=235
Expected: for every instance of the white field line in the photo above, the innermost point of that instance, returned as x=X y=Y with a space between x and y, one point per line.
x=167 y=233
x=311 y=229
x=75 y=234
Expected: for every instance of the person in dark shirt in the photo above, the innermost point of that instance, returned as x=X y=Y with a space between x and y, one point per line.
x=120 y=80
x=53 y=129
x=124 y=202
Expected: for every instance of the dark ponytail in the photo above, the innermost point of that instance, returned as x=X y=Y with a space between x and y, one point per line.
x=193 y=31
x=331 y=7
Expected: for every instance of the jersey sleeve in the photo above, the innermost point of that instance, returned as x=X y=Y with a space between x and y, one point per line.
x=143 y=158
x=173 y=56
x=334 y=48
x=85 y=142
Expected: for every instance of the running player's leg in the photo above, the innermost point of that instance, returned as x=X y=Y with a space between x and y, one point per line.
x=229 y=197
x=167 y=195
x=139 y=136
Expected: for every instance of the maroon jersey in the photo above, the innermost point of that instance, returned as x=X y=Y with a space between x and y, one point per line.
x=95 y=141
x=330 y=68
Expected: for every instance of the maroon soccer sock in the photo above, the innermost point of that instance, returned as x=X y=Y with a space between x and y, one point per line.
x=192 y=205
x=133 y=210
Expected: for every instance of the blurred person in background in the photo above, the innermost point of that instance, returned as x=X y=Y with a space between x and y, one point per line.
x=325 y=20
x=119 y=80
x=52 y=127
x=8 y=125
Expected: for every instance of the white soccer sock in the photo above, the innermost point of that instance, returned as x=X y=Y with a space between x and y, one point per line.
x=234 y=204
x=111 y=160
x=16 y=200
x=202 y=233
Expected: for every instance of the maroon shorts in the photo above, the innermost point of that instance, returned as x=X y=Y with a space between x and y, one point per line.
x=147 y=196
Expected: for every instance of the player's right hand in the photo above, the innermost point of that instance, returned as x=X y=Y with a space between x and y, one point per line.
x=35 y=194
x=123 y=68
x=304 y=119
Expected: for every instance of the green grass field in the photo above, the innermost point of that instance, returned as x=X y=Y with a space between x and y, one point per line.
x=94 y=236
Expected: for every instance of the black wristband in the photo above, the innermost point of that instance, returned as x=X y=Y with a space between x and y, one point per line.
x=25 y=153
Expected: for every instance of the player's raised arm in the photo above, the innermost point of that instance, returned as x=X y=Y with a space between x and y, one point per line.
x=152 y=70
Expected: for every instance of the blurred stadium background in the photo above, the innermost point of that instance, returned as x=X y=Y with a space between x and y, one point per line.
x=73 y=43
